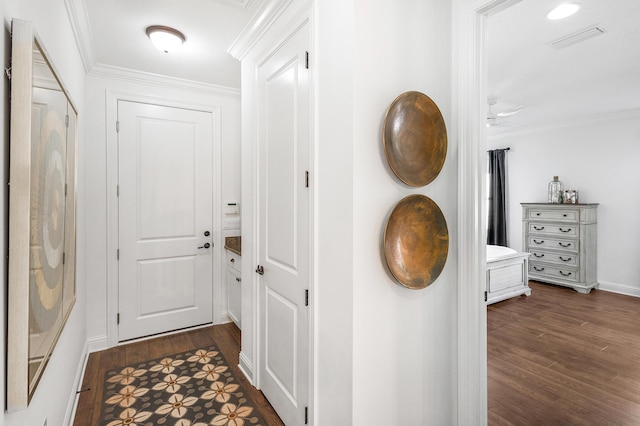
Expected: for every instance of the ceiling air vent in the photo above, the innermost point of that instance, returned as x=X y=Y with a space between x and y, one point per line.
x=578 y=36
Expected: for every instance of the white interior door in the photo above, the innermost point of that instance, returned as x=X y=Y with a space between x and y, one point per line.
x=165 y=215
x=283 y=228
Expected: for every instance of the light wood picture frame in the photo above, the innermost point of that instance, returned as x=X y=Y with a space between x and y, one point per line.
x=42 y=213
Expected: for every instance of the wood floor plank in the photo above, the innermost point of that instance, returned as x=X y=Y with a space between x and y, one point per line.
x=89 y=386
x=559 y=357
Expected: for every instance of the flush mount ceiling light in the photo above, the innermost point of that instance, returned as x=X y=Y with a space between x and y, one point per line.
x=563 y=10
x=166 y=39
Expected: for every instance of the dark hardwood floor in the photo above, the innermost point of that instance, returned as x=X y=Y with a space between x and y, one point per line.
x=226 y=337
x=556 y=357
x=559 y=357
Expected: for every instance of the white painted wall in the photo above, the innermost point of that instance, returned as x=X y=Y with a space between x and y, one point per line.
x=403 y=339
x=384 y=354
x=56 y=390
x=600 y=159
x=333 y=289
x=101 y=93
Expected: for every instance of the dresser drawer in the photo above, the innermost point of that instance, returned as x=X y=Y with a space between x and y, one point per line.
x=569 y=259
x=538 y=269
x=234 y=261
x=537 y=242
x=564 y=215
x=569 y=230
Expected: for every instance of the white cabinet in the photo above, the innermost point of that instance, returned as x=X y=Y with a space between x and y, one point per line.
x=234 y=285
x=562 y=241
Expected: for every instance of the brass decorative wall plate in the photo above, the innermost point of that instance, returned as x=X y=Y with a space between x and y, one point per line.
x=416 y=241
x=414 y=137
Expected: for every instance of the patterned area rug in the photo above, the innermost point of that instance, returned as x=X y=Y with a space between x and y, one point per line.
x=195 y=388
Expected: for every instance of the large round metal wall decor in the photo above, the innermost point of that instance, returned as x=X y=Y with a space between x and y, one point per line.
x=416 y=241
x=414 y=137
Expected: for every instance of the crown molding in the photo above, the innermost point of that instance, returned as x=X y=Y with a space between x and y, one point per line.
x=257 y=26
x=571 y=124
x=141 y=77
x=79 y=20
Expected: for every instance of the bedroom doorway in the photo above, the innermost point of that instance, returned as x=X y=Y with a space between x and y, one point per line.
x=470 y=24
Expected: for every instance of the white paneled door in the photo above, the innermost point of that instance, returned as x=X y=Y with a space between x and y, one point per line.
x=165 y=215
x=284 y=228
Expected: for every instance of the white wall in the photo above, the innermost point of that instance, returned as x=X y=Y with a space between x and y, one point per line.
x=600 y=159
x=403 y=339
x=333 y=290
x=101 y=95
x=384 y=354
x=57 y=386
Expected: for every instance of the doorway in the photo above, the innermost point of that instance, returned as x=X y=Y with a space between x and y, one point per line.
x=284 y=226
x=470 y=27
x=165 y=205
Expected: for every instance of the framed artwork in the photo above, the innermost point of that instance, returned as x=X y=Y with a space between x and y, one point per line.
x=42 y=213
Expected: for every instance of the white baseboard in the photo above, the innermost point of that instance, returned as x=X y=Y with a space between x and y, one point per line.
x=70 y=414
x=246 y=367
x=619 y=288
x=223 y=318
x=97 y=343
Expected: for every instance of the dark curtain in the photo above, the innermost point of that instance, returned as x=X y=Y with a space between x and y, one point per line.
x=497 y=221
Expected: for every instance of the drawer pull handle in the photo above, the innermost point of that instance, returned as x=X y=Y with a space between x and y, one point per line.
x=538 y=255
x=238 y=279
x=568 y=259
x=537 y=214
x=232 y=260
x=565 y=274
x=538 y=228
x=538 y=242
x=564 y=215
x=565 y=245
x=538 y=269
x=565 y=230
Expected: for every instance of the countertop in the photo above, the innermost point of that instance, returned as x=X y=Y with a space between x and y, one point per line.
x=233 y=244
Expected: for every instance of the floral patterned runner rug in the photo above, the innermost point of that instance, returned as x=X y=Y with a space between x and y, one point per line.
x=194 y=388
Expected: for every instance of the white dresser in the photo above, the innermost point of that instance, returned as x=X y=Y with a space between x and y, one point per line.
x=562 y=241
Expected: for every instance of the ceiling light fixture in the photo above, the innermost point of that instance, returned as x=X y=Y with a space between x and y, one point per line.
x=166 y=39
x=563 y=10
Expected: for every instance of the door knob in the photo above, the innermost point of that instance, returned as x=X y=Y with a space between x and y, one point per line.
x=205 y=246
x=260 y=270
x=207 y=233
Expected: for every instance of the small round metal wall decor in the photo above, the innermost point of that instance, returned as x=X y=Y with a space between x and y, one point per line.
x=416 y=241
x=414 y=137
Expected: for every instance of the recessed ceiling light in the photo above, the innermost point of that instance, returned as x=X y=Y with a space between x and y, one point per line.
x=166 y=39
x=563 y=10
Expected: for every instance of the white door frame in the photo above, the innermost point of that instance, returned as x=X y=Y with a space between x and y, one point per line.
x=112 y=98
x=470 y=97
x=301 y=24
x=253 y=372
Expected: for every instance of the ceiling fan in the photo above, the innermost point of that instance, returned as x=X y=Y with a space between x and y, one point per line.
x=497 y=119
